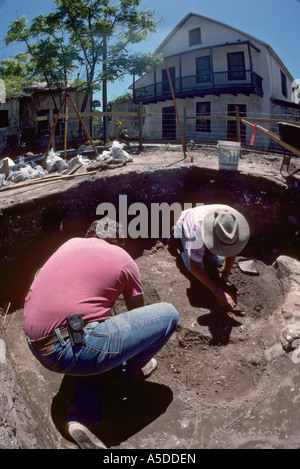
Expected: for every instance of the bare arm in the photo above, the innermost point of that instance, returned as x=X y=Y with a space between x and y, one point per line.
x=228 y=266
x=198 y=272
x=134 y=302
x=223 y=298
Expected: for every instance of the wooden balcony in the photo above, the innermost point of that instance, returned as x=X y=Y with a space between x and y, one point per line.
x=233 y=82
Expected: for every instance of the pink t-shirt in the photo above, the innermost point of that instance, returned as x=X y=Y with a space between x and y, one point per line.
x=85 y=275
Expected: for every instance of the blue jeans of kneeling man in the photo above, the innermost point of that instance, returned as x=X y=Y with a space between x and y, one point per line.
x=123 y=343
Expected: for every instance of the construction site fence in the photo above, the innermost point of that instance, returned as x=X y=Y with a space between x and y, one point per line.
x=143 y=128
x=190 y=130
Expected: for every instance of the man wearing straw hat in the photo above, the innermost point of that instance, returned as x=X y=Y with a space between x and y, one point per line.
x=211 y=234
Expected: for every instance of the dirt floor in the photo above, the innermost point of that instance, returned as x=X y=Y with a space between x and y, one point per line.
x=224 y=380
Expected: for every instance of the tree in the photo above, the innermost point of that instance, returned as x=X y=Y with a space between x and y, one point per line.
x=16 y=72
x=51 y=57
x=95 y=35
x=104 y=31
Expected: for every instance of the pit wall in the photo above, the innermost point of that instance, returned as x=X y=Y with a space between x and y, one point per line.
x=33 y=230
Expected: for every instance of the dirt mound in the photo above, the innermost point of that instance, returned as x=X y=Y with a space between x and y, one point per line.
x=258 y=296
x=216 y=354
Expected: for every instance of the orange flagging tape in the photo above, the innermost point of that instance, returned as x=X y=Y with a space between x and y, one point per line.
x=253 y=135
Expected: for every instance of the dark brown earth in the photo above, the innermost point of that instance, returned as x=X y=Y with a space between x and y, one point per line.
x=224 y=380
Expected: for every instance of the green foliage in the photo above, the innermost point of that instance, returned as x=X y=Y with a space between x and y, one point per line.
x=123 y=97
x=52 y=57
x=93 y=35
x=122 y=131
x=104 y=30
x=16 y=73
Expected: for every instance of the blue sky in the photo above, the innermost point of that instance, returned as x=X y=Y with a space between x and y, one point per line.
x=275 y=22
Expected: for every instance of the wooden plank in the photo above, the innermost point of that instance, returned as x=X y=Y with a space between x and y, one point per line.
x=273 y=137
x=72 y=170
x=254 y=119
x=238 y=123
x=83 y=125
x=113 y=114
x=227 y=118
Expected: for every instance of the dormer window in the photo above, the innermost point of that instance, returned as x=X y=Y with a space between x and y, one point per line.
x=195 y=37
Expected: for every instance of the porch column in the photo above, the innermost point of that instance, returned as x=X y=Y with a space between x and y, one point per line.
x=180 y=73
x=250 y=62
x=211 y=67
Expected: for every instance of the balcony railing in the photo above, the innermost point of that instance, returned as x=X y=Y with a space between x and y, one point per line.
x=240 y=81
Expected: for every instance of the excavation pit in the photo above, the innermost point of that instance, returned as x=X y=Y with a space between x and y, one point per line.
x=223 y=380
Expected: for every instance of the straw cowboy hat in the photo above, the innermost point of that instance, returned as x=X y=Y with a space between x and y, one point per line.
x=225 y=232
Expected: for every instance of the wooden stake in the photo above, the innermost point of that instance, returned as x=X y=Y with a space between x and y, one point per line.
x=140 y=127
x=52 y=132
x=66 y=128
x=175 y=106
x=83 y=125
x=238 y=124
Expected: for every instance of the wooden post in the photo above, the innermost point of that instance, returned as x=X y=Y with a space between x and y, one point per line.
x=66 y=129
x=175 y=106
x=185 y=128
x=50 y=122
x=140 y=126
x=238 y=124
x=52 y=132
x=104 y=91
x=83 y=125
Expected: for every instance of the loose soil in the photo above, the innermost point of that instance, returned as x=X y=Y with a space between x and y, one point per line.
x=223 y=380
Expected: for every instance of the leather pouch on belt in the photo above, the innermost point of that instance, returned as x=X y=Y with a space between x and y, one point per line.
x=75 y=327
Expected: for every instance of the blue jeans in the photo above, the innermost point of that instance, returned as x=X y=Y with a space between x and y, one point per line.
x=125 y=343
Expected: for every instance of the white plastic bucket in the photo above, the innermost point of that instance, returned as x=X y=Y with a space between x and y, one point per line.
x=229 y=154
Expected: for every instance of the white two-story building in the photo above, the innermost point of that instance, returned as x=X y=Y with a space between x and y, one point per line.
x=214 y=68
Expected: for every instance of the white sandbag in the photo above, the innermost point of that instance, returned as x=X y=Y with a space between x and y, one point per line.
x=54 y=162
x=3 y=181
x=20 y=174
x=116 y=151
x=78 y=160
x=37 y=172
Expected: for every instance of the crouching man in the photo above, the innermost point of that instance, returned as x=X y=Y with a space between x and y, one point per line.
x=70 y=328
x=211 y=234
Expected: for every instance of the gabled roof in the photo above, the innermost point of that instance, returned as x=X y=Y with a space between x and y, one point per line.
x=189 y=15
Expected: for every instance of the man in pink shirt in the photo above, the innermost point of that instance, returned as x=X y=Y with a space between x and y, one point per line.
x=217 y=233
x=70 y=328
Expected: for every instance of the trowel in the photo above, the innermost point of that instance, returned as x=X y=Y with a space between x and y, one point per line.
x=248 y=266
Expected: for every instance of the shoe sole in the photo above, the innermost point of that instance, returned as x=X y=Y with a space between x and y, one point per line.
x=84 y=438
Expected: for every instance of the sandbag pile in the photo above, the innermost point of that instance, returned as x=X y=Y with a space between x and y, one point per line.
x=11 y=171
x=116 y=152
